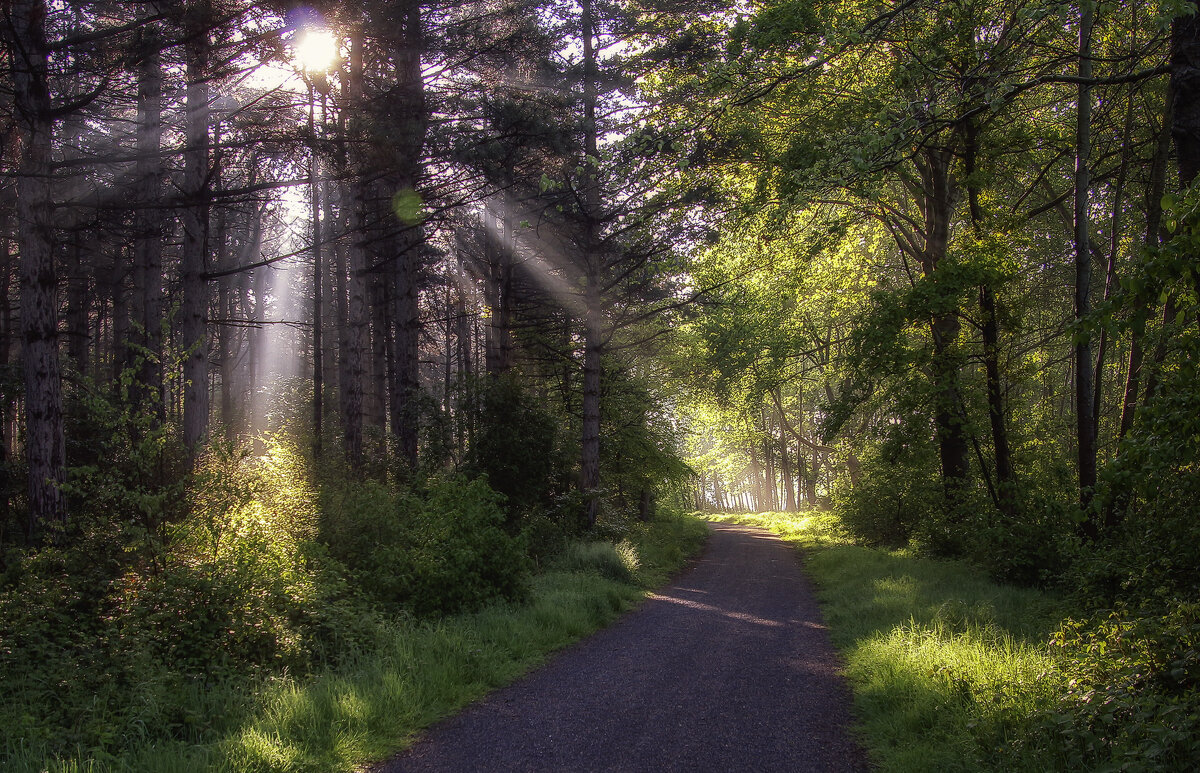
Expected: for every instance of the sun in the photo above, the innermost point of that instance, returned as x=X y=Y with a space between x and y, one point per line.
x=316 y=50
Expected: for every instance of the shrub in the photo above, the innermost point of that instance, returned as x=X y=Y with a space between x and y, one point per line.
x=445 y=554
x=1130 y=698
x=516 y=447
x=463 y=557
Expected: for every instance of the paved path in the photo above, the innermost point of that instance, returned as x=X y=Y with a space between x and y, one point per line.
x=728 y=669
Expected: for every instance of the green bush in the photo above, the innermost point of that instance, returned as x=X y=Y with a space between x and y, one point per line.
x=1130 y=693
x=463 y=558
x=516 y=447
x=890 y=504
x=445 y=553
x=546 y=533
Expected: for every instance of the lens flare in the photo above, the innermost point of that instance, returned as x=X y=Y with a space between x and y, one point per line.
x=316 y=50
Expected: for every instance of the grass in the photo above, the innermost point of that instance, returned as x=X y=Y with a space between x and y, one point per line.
x=948 y=669
x=376 y=702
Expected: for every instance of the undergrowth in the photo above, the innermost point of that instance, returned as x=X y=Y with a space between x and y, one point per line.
x=952 y=671
x=270 y=618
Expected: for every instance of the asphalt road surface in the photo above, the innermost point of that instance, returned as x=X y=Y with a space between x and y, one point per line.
x=728 y=669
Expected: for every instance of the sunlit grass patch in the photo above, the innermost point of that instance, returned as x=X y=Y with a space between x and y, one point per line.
x=948 y=668
x=365 y=701
x=423 y=672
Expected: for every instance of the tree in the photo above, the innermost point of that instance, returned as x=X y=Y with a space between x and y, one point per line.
x=28 y=55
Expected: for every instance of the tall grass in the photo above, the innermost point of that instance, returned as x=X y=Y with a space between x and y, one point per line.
x=949 y=670
x=375 y=700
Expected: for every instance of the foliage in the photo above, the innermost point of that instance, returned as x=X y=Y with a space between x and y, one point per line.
x=517 y=446
x=301 y=673
x=441 y=553
x=1132 y=692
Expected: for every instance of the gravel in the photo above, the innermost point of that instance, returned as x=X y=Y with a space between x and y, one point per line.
x=728 y=669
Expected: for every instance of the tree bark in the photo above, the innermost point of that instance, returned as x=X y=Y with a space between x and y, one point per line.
x=149 y=220
x=1085 y=423
x=358 y=313
x=1185 y=100
x=937 y=206
x=45 y=450
x=318 y=270
x=194 y=256
x=410 y=119
x=593 y=345
x=1005 y=474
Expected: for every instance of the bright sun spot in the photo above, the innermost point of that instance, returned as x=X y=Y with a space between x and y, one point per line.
x=316 y=50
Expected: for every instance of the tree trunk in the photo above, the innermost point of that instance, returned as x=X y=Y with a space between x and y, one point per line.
x=1085 y=415
x=590 y=451
x=410 y=121
x=756 y=478
x=44 y=444
x=785 y=461
x=357 y=339
x=593 y=346
x=381 y=357
x=406 y=386
x=78 y=305
x=194 y=256
x=1005 y=475
x=7 y=399
x=149 y=218
x=358 y=314
x=1185 y=99
x=119 y=296
x=937 y=207
x=1151 y=239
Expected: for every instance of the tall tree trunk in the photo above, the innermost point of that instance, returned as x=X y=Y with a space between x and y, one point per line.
x=44 y=444
x=937 y=205
x=771 y=492
x=254 y=348
x=810 y=480
x=410 y=118
x=466 y=410
x=1005 y=475
x=149 y=219
x=381 y=358
x=756 y=482
x=785 y=461
x=1151 y=239
x=1185 y=99
x=406 y=385
x=358 y=314
x=78 y=303
x=119 y=296
x=1085 y=416
x=194 y=256
x=593 y=344
x=590 y=441
x=354 y=339
x=318 y=272
x=7 y=399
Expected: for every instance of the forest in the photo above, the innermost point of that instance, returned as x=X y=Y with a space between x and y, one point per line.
x=329 y=324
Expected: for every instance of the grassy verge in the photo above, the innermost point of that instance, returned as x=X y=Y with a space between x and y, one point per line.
x=949 y=670
x=376 y=701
